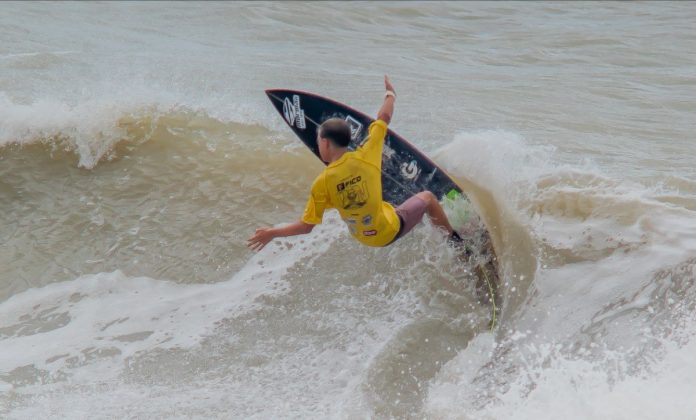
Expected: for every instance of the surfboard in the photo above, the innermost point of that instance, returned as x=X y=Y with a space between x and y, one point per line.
x=405 y=171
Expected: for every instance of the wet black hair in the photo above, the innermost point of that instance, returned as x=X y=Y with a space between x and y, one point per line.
x=336 y=130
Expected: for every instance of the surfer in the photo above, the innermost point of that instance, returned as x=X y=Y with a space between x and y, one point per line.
x=352 y=184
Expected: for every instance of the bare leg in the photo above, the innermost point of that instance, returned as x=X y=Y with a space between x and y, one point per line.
x=435 y=212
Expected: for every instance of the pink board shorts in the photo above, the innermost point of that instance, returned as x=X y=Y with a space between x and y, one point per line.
x=410 y=212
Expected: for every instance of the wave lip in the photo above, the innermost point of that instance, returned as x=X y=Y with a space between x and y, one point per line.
x=90 y=129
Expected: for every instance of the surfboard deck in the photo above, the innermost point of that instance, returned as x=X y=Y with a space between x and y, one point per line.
x=405 y=172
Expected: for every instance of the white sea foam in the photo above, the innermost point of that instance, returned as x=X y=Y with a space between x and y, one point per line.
x=608 y=252
x=109 y=317
x=289 y=374
x=573 y=388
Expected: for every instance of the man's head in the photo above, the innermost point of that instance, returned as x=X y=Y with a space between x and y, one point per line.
x=333 y=134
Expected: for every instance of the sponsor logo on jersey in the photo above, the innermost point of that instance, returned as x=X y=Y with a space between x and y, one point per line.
x=369 y=232
x=342 y=186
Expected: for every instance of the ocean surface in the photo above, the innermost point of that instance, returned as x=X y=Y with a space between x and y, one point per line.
x=138 y=151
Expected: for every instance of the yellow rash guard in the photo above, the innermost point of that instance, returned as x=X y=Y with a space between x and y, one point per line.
x=353 y=185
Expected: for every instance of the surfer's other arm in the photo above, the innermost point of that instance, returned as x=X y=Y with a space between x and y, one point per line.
x=265 y=235
x=314 y=211
x=387 y=110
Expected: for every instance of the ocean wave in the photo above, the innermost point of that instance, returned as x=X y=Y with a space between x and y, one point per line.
x=93 y=130
x=586 y=258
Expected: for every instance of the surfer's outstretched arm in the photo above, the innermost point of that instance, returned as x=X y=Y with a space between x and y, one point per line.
x=387 y=110
x=265 y=235
x=372 y=147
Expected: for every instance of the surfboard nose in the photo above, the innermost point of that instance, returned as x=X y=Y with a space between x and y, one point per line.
x=274 y=91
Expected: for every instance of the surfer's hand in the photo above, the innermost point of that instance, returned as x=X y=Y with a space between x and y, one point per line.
x=259 y=239
x=387 y=84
